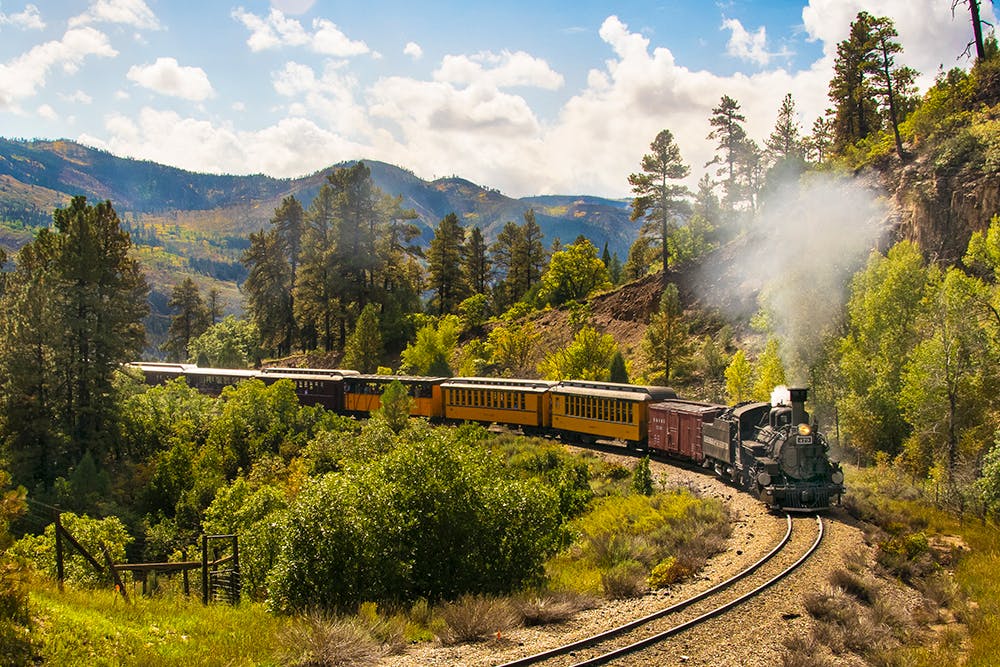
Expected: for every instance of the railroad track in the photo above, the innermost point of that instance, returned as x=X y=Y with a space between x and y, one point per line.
x=649 y=630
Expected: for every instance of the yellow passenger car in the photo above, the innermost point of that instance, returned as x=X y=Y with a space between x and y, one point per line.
x=502 y=401
x=590 y=411
x=363 y=393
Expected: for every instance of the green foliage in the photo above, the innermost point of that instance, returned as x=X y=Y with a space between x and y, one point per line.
x=739 y=378
x=92 y=534
x=444 y=265
x=659 y=199
x=70 y=315
x=624 y=537
x=618 y=372
x=588 y=357
x=573 y=274
x=395 y=406
x=364 y=345
x=770 y=371
x=256 y=515
x=666 y=341
x=474 y=311
x=642 y=478
x=883 y=310
x=988 y=483
x=435 y=517
x=431 y=352
x=231 y=343
x=191 y=319
x=15 y=622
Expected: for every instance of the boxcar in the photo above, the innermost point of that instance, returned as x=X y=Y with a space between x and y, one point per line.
x=523 y=403
x=363 y=393
x=604 y=410
x=676 y=427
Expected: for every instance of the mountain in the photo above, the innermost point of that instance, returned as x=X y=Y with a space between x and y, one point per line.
x=36 y=176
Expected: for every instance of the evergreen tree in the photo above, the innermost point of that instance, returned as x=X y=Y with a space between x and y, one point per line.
x=618 y=371
x=268 y=289
x=855 y=106
x=190 y=320
x=817 y=145
x=476 y=262
x=727 y=130
x=893 y=85
x=444 y=264
x=72 y=317
x=364 y=345
x=657 y=198
x=214 y=305
x=532 y=251
x=666 y=341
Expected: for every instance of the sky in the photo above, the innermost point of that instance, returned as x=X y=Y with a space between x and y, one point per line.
x=530 y=98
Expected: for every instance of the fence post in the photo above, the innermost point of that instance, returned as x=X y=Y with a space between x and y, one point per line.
x=204 y=569
x=234 y=592
x=184 y=573
x=114 y=573
x=60 y=572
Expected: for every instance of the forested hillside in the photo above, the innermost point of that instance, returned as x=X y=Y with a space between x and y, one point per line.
x=861 y=258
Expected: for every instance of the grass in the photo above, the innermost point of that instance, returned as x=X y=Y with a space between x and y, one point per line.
x=96 y=627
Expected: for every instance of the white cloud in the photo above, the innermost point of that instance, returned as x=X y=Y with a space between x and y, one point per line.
x=23 y=76
x=239 y=106
x=79 y=97
x=167 y=77
x=293 y=6
x=329 y=96
x=747 y=46
x=501 y=70
x=277 y=30
x=413 y=50
x=28 y=19
x=135 y=13
x=47 y=112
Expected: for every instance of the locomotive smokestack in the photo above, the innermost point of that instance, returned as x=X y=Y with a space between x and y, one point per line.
x=798 y=399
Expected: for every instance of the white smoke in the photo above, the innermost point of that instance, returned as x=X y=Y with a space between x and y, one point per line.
x=807 y=240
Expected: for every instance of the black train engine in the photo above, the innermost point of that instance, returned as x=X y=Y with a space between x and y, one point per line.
x=776 y=454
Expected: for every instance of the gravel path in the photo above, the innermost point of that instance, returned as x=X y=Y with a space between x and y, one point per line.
x=750 y=635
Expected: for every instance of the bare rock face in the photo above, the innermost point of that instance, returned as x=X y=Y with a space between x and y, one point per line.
x=939 y=208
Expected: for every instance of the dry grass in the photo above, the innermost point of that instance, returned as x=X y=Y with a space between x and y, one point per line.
x=804 y=652
x=547 y=608
x=625 y=580
x=864 y=589
x=321 y=641
x=474 y=617
x=830 y=604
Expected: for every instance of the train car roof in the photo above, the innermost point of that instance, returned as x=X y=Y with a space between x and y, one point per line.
x=271 y=370
x=571 y=390
x=693 y=407
x=231 y=372
x=534 y=386
x=589 y=387
x=405 y=379
x=301 y=376
x=160 y=366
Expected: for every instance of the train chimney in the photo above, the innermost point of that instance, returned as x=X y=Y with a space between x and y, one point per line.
x=798 y=399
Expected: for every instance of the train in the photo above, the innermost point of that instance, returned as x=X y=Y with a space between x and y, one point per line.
x=770 y=449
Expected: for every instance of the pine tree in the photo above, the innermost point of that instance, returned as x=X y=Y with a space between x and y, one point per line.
x=666 y=341
x=268 y=289
x=618 y=371
x=444 y=264
x=71 y=318
x=190 y=320
x=364 y=346
x=726 y=121
x=892 y=84
x=476 y=262
x=658 y=199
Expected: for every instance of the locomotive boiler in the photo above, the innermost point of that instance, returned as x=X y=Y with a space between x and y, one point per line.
x=770 y=449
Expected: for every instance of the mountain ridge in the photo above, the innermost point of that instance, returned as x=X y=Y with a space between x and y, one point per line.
x=39 y=175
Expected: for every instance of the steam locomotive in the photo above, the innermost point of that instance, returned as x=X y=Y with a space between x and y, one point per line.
x=771 y=451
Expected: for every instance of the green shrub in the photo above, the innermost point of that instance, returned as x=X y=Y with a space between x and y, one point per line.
x=92 y=534
x=667 y=571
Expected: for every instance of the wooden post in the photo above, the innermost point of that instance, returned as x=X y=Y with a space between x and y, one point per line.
x=184 y=573
x=60 y=571
x=234 y=581
x=119 y=586
x=204 y=569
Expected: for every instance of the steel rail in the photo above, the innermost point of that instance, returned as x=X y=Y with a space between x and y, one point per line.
x=655 y=639
x=631 y=625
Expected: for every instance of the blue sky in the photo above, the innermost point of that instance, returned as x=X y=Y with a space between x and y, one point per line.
x=528 y=97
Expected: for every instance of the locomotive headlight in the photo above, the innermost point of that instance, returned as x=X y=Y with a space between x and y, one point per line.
x=837 y=477
x=763 y=479
x=804 y=429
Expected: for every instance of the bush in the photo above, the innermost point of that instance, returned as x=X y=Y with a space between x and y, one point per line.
x=863 y=589
x=316 y=640
x=475 y=617
x=667 y=571
x=547 y=608
x=624 y=580
x=92 y=534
